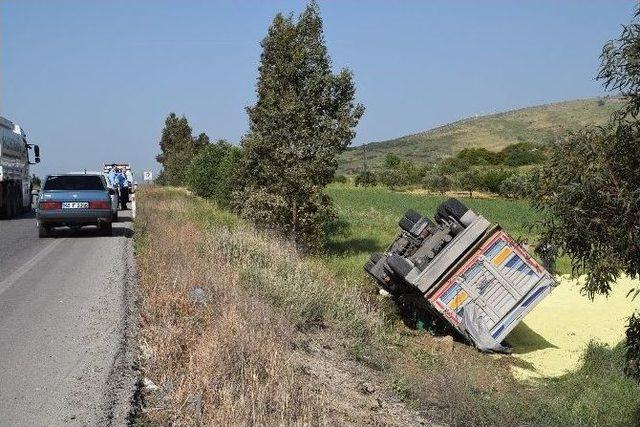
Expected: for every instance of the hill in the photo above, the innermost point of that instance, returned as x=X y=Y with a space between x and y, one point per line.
x=541 y=123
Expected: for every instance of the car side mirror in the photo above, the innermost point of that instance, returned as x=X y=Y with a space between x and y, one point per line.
x=112 y=191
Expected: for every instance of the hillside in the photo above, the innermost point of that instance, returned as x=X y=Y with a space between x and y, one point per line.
x=535 y=124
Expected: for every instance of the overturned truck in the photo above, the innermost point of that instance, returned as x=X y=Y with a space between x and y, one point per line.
x=467 y=269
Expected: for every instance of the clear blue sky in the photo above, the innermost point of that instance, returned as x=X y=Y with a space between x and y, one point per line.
x=92 y=81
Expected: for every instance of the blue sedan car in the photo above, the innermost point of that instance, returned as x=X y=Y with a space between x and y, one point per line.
x=74 y=200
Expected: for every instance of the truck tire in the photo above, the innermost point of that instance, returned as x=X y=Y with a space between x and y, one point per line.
x=399 y=265
x=406 y=224
x=451 y=208
x=412 y=216
x=43 y=231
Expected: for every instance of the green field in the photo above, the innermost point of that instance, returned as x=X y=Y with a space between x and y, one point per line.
x=368 y=221
x=539 y=124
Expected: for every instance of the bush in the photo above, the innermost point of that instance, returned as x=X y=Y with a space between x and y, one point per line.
x=340 y=179
x=212 y=173
x=365 y=179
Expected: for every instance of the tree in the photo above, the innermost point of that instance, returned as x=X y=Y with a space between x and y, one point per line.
x=177 y=147
x=516 y=186
x=436 y=182
x=491 y=179
x=522 y=153
x=468 y=181
x=479 y=156
x=213 y=172
x=589 y=187
x=304 y=117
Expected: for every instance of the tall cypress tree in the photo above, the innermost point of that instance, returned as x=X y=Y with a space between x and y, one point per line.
x=304 y=117
x=177 y=147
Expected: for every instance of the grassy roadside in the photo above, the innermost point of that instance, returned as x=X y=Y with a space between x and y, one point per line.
x=238 y=329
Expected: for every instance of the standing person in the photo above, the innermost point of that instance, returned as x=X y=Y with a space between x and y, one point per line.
x=112 y=175
x=123 y=189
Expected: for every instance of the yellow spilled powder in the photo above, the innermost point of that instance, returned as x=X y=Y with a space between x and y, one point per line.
x=551 y=340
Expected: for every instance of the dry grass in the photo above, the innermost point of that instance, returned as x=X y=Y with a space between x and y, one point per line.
x=221 y=361
x=276 y=340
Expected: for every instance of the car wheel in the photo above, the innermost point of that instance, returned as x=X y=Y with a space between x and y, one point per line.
x=106 y=229
x=43 y=231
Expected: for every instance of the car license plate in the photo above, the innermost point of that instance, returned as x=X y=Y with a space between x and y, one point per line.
x=75 y=205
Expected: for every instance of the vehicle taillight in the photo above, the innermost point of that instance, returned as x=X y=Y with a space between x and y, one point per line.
x=46 y=206
x=100 y=204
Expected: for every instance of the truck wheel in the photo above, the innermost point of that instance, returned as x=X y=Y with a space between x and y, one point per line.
x=399 y=265
x=412 y=216
x=43 y=231
x=406 y=224
x=451 y=208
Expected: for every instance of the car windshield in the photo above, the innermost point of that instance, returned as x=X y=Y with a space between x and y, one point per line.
x=74 y=182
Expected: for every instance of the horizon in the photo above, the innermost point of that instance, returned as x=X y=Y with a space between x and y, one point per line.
x=114 y=71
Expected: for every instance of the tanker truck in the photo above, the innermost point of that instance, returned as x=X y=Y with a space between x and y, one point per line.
x=15 y=179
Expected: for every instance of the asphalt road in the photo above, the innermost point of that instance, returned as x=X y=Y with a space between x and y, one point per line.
x=66 y=310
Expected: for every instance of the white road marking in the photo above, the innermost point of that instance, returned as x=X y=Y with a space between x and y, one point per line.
x=13 y=277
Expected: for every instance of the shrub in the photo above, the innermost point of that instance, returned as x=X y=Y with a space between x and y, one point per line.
x=340 y=179
x=365 y=179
